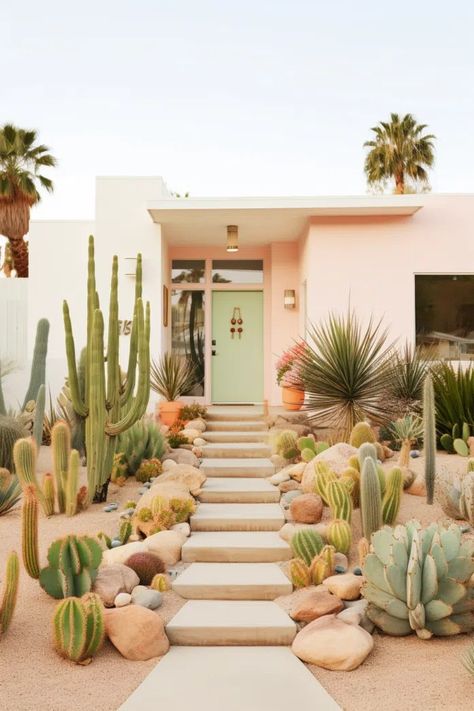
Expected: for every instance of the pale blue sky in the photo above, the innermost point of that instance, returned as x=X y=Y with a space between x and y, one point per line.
x=235 y=97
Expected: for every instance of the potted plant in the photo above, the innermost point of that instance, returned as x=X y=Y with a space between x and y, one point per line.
x=288 y=377
x=171 y=377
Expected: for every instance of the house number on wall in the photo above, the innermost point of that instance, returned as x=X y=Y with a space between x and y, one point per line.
x=125 y=328
x=236 y=320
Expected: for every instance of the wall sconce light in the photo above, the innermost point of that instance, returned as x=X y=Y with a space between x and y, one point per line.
x=232 y=238
x=289 y=299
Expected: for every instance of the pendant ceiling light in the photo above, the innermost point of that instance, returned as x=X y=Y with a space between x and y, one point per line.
x=232 y=238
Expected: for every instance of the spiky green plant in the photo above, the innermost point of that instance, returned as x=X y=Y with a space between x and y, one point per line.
x=24 y=456
x=361 y=432
x=299 y=573
x=125 y=531
x=454 y=398
x=71 y=484
x=409 y=368
x=285 y=444
x=172 y=376
x=306 y=544
x=142 y=441
x=39 y=416
x=418 y=580
x=73 y=565
x=10 y=491
x=322 y=476
x=79 y=628
x=429 y=437
x=406 y=431
x=61 y=450
x=9 y=592
x=109 y=406
x=345 y=371
x=468 y=659
x=370 y=498
x=455 y=492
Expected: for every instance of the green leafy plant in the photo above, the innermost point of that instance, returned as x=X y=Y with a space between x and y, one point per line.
x=345 y=371
x=172 y=376
x=418 y=580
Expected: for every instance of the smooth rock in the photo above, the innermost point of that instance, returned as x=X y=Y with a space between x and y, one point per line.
x=123 y=599
x=297 y=471
x=288 y=530
x=287 y=498
x=112 y=580
x=357 y=571
x=307 y=508
x=290 y=485
x=415 y=453
x=418 y=488
x=167 y=545
x=122 y=553
x=336 y=457
x=350 y=615
x=115 y=543
x=199 y=442
x=183 y=456
x=279 y=478
x=137 y=633
x=309 y=604
x=169 y=464
x=346 y=586
x=190 y=434
x=145 y=597
x=184 y=475
x=184 y=529
x=330 y=643
x=339 y=569
x=197 y=424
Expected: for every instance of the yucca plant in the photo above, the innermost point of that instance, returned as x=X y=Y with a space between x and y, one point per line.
x=172 y=376
x=454 y=397
x=409 y=368
x=346 y=373
x=406 y=431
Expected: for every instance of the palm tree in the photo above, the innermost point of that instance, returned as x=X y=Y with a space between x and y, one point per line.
x=21 y=160
x=400 y=150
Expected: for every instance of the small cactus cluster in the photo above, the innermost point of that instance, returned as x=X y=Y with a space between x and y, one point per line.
x=458 y=441
x=125 y=531
x=142 y=441
x=10 y=431
x=148 y=469
x=361 y=433
x=455 y=492
x=307 y=544
x=146 y=565
x=73 y=565
x=10 y=491
x=418 y=580
x=321 y=567
x=79 y=628
x=9 y=592
x=66 y=463
x=309 y=448
x=286 y=445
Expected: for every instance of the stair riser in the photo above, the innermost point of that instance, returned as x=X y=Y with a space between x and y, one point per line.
x=240 y=472
x=229 y=416
x=237 y=525
x=234 y=592
x=233 y=425
x=232 y=436
x=239 y=497
x=241 y=453
x=222 y=636
x=239 y=555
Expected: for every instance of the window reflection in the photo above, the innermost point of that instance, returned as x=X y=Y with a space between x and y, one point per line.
x=187 y=332
x=187 y=271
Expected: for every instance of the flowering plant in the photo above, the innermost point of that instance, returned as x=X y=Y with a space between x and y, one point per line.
x=287 y=365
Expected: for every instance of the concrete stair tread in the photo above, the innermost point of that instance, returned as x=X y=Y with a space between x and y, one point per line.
x=236 y=437
x=232 y=581
x=238 y=490
x=238 y=467
x=236 y=413
x=241 y=450
x=224 y=622
x=236 y=546
x=230 y=678
x=232 y=517
x=236 y=425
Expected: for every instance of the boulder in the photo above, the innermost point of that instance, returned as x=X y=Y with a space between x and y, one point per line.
x=297 y=471
x=336 y=457
x=330 y=643
x=167 y=545
x=184 y=529
x=288 y=497
x=183 y=456
x=197 y=424
x=169 y=464
x=418 y=488
x=198 y=442
x=307 y=508
x=310 y=603
x=122 y=599
x=279 y=477
x=346 y=586
x=183 y=474
x=288 y=530
x=287 y=486
x=167 y=489
x=145 y=597
x=112 y=580
x=137 y=633
x=190 y=434
x=122 y=553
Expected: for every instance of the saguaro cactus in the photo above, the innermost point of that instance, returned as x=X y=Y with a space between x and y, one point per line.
x=429 y=437
x=38 y=365
x=109 y=406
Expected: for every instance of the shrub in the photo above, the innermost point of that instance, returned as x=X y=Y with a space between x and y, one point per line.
x=146 y=566
x=148 y=468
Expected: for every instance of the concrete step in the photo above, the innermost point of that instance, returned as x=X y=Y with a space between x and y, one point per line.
x=231 y=622
x=235 y=547
x=238 y=467
x=230 y=678
x=231 y=450
x=227 y=413
x=237 y=517
x=232 y=581
x=236 y=437
x=236 y=490
x=240 y=425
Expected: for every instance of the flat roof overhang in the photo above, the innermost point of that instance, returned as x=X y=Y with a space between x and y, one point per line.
x=261 y=220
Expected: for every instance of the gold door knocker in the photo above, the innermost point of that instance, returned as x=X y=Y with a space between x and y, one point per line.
x=236 y=320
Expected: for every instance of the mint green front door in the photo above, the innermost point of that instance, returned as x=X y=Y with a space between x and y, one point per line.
x=237 y=362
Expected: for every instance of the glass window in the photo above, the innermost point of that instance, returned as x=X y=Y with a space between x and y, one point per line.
x=445 y=314
x=187 y=332
x=237 y=271
x=188 y=271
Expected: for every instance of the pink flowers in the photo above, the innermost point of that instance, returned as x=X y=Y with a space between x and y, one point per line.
x=288 y=364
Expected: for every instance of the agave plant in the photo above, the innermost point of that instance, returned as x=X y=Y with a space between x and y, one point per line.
x=468 y=659
x=172 y=376
x=454 y=396
x=409 y=368
x=346 y=373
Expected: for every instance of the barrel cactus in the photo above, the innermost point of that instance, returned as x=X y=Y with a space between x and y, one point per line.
x=323 y=475
x=340 y=535
x=339 y=498
x=418 y=580
x=306 y=544
x=10 y=430
x=361 y=432
x=73 y=565
x=79 y=628
x=393 y=496
x=286 y=444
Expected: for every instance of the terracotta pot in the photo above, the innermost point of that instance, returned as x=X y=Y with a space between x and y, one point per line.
x=168 y=412
x=292 y=398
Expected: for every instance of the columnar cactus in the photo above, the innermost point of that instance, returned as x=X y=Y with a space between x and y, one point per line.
x=369 y=450
x=340 y=535
x=24 y=455
x=306 y=544
x=61 y=449
x=361 y=432
x=351 y=478
x=323 y=475
x=393 y=496
x=9 y=592
x=370 y=498
x=38 y=365
x=429 y=437
x=48 y=493
x=125 y=531
x=10 y=490
x=79 y=628
x=109 y=406
x=71 y=481
x=299 y=573
x=418 y=580
x=29 y=532
x=73 y=564
x=339 y=499
x=11 y=430
x=39 y=416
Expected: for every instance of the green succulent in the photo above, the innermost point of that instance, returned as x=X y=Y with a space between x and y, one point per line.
x=418 y=580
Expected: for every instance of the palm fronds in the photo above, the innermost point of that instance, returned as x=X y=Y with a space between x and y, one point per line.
x=409 y=369
x=346 y=373
x=172 y=376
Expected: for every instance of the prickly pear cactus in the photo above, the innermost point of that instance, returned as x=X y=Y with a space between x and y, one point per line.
x=73 y=564
x=418 y=580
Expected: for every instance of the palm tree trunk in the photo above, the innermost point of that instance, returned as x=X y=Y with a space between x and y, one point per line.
x=399 y=184
x=19 y=249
